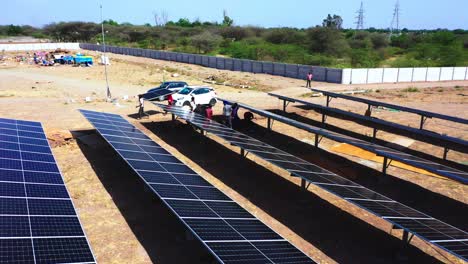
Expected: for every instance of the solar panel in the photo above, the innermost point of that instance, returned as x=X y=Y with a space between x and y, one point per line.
x=440 y=234
x=393 y=106
x=394 y=128
x=214 y=218
x=38 y=222
x=159 y=94
x=389 y=153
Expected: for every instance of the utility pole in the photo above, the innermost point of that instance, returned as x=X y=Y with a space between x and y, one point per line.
x=360 y=18
x=109 y=96
x=395 y=26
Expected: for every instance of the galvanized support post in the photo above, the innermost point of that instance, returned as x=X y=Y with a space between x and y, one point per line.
x=284 y=105
x=316 y=140
x=446 y=150
x=384 y=168
x=423 y=120
x=269 y=123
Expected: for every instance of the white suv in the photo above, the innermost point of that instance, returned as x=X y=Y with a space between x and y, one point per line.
x=202 y=95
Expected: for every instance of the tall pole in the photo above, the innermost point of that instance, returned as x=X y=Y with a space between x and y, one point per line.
x=360 y=18
x=109 y=96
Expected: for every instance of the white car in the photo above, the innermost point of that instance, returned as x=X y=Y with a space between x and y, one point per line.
x=202 y=95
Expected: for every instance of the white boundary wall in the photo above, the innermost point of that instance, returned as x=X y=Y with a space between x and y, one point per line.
x=394 y=75
x=38 y=46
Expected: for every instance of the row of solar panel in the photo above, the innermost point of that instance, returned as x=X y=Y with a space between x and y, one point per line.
x=375 y=148
x=220 y=223
x=391 y=127
x=393 y=106
x=38 y=222
x=427 y=228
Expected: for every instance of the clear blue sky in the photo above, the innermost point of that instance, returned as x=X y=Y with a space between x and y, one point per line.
x=415 y=14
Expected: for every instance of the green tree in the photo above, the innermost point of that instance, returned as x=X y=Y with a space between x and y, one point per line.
x=13 y=30
x=205 y=42
x=327 y=40
x=335 y=22
x=227 y=21
x=110 y=22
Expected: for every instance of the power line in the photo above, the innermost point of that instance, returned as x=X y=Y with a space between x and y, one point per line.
x=360 y=18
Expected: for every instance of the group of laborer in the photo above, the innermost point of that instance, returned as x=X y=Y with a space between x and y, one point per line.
x=230 y=111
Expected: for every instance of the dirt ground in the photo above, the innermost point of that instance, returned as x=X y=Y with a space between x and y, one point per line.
x=125 y=223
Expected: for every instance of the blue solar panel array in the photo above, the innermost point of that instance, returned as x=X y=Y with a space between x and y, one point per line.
x=390 y=153
x=38 y=222
x=438 y=233
x=231 y=233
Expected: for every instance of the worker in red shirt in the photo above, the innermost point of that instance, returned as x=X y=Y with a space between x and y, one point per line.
x=209 y=112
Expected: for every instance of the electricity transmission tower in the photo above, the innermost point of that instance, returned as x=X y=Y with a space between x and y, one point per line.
x=360 y=18
x=395 y=26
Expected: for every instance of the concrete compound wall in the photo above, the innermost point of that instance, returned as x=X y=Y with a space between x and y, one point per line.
x=288 y=70
x=394 y=75
x=38 y=46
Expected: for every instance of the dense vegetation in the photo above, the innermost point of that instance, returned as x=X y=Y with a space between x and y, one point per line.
x=326 y=45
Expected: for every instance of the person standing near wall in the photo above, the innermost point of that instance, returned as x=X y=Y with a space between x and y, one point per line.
x=309 y=80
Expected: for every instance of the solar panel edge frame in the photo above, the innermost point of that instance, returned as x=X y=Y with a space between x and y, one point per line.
x=332 y=137
x=361 y=207
x=185 y=223
x=71 y=200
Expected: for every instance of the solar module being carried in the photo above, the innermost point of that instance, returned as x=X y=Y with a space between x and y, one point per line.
x=389 y=154
x=427 y=228
x=230 y=233
x=38 y=221
x=158 y=95
x=432 y=138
